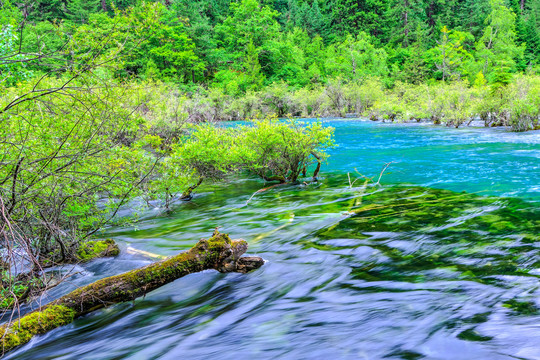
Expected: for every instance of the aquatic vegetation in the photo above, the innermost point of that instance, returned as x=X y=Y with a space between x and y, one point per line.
x=521 y=307
x=469 y=236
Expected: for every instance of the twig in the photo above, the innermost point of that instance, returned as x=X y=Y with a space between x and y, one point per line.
x=264 y=189
x=386 y=165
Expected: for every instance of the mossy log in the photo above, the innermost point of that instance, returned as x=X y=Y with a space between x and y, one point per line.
x=218 y=252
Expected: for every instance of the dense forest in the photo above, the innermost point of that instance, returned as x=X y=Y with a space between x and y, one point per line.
x=246 y=59
x=245 y=45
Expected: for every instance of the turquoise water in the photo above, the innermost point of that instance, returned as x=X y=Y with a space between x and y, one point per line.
x=417 y=271
x=490 y=161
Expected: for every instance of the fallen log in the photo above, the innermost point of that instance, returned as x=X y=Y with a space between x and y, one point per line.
x=218 y=252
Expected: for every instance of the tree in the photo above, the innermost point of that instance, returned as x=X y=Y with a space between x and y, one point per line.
x=450 y=54
x=532 y=39
x=355 y=16
x=252 y=68
x=406 y=18
x=47 y=10
x=169 y=49
x=356 y=58
x=310 y=18
x=249 y=22
x=80 y=10
x=273 y=150
x=65 y=143
x=12 y=65
x=9 y=14
x=496 y=50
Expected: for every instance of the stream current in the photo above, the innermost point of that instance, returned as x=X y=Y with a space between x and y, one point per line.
x=441 y=262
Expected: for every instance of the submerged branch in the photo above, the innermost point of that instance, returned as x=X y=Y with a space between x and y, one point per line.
x=264 y=189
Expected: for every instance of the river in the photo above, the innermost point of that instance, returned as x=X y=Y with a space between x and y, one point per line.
x=440 y=262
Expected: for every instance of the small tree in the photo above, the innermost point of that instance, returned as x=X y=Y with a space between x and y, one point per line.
x=450 y=53
x=497 y=49
x=72 y=146
x=271 y=149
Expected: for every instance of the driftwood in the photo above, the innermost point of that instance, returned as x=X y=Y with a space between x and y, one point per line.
x=218 y=252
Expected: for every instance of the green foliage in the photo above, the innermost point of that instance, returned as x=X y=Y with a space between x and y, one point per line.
x=496 y=50
x=11 y=290
x=249 y=22
x=242 y=46
x=80 y=10
x=13 y=65
x=167 y=52
x=271 y=149
x=253 y=65
x=356 y=58
x=9 y=13
x=451 y=56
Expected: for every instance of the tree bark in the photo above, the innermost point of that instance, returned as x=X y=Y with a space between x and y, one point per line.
x=219 y=252
x=187 y=195
x=318 y=168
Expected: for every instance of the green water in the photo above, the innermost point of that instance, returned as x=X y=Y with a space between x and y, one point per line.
x=441 y=262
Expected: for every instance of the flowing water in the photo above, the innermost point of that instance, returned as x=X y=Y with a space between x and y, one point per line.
x=440 y=262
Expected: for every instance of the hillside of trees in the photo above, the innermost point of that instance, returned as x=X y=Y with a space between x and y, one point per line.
x=245 y=45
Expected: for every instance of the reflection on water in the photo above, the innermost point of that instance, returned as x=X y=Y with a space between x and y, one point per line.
x=398 y=272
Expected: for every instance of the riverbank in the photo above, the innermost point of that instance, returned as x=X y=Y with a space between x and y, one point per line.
x=454 y=104
x=474 y=123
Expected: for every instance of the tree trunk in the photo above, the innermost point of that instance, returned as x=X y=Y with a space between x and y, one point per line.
x=187 y=194
x=218 y=253
x=318 y=168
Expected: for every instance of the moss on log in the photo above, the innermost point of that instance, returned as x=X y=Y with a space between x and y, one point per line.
x=35 y=323
x=218 y=252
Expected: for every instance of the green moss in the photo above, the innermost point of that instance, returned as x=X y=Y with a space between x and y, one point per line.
x=20 y=332
x=218 y=241
x=95 y=249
